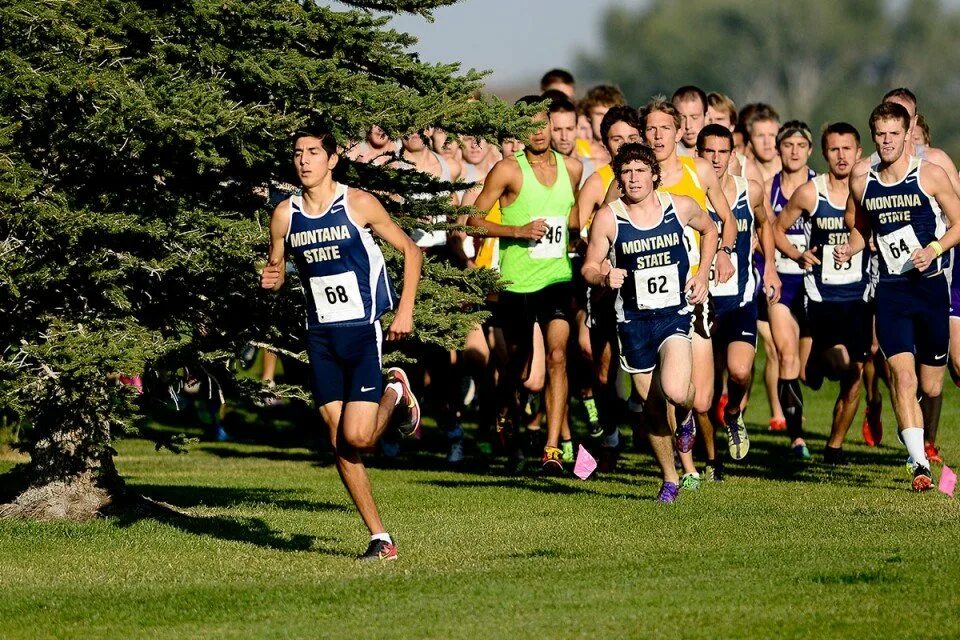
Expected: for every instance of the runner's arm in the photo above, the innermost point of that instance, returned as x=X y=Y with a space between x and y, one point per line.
x=602 y=233
x=856 y=220
x=494 y=188
x=803 y=201
x=765 y=226
x=936 y=182
x=273 y=274
x=728 y=224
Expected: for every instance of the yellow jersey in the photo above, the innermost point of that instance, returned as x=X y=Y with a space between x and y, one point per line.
x=488 y=256
x=689 y=185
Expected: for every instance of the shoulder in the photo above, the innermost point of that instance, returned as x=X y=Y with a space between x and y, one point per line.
x=573 y=165
x=861 y=168
x=806 y=191
x=456 y=169
x=755 y=188
x=940 y=158
x=686 y=204
x=362 y=201
x=704 y=168
x=932 y=173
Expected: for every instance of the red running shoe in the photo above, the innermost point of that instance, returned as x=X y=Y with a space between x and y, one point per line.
x=778 y=424
x=872 y=426
x=922 y=480
x=721 y=408
x=379 y=550
x=932 y=453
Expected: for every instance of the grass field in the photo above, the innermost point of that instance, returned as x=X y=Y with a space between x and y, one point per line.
x=781 y=549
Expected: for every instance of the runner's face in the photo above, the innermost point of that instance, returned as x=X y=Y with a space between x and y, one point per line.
x=377 y=137
x=763 y=139
x=584 y=132
x=662 y=135
x=510 y=146
x=311 y=162
x=596 y=117
x=909 y=106
x=719 y=117
x=619 y=134
x=474 y=149
x=841 y=154
x=539 y=141
x=563 y=130
x=794 y=152
x=636 y=179
x=562 y=87
x=691 y=120
x=890 y=137
x=716 y=151
x=414 y=142
x=738 y=143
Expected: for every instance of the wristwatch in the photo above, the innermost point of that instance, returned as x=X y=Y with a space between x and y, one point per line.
x=727 y=250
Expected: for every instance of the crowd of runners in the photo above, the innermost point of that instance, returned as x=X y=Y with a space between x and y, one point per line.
x=644 y=252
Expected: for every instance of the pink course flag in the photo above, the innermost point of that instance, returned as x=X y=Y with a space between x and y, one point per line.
x=948 y=480
x=585 y=464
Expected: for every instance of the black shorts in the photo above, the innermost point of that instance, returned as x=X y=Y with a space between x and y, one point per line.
x=345 y=363
x=704 y=318
x=798 y=308
x=846 y=324
x=516 y=313
x=913 y=316
x=735 y=323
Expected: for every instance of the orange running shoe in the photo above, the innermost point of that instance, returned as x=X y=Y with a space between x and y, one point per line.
x=721 y=408
x=778 y=424
x=872 y=425
x=932 y=453
x=922 y=480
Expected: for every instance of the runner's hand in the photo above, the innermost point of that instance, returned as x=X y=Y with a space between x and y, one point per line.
x=772 y=285
x=697 y=288
x=533 y=230
x=401 y=327
x=615 y=278
x=923 y=258
x=808 y=258
x=724 y=266
x=842 y=253
x=271 y=276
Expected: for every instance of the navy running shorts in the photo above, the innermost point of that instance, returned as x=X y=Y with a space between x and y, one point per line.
x=641 y=340
x=913 y=316
x=345 y=363
x=848 y=324
x=735 y=323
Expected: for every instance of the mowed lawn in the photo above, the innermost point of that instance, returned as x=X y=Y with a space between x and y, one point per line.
x=265 y=550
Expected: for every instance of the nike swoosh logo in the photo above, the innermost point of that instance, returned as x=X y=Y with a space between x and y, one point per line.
x=941 y=357
x=365 y=389
x=745 y=333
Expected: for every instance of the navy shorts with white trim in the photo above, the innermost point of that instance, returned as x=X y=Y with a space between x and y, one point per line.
x=913 y=316
x=345 y=363
x=641 y=340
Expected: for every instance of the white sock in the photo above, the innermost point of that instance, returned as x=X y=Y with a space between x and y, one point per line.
x=913 y=438
x=398 y=389
x=382 y=536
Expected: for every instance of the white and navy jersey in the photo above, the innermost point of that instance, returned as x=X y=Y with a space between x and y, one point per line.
x=832 y=281
x=903 y=218
x=341 y=267
x=656 y=261
x=741 y=286
x=435 y=238
x=796 y=234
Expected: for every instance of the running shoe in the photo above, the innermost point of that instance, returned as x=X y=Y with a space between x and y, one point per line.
x=834 y=456
x=668 y=493
x=221 y=434
x=595 y=430
x=721 y=407
x=801 y=452
x=552 y=462
x=566 y=447
x=713 y=472
x=737 y=438
x=609 y=452
x=910 y=464
x=872 y=426
x=409 y=426
x=389 y=448
x=690 y=482
x=778 y=424
x=379 y=550
x=686 y=434
x=455 y=438
x=922 y=480
x=933 y=454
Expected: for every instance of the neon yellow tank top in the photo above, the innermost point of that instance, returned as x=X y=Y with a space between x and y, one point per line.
x=689 y=185
x=530 y=266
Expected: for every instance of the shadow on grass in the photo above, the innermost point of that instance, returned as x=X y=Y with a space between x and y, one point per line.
x=163 y=505
x=549 y=486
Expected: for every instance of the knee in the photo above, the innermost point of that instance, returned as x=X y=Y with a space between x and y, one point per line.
x=933 y=386
x=557 y=358
x=702 y=400
x=354 y=438
x=905 y=380
x=789 y=361
x=677 y=393
x=739 y=374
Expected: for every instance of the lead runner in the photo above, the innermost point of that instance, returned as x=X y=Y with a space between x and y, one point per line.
x=328 y=231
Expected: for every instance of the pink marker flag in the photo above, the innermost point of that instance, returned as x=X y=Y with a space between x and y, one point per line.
x=948 y=480
x=585 y=464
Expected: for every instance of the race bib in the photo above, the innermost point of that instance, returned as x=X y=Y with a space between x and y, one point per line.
x=337 y=297
x=553 y=244
x=833 y=272
x=657 y=287
x=896 y=248
x=787 y=266
x=728 y=288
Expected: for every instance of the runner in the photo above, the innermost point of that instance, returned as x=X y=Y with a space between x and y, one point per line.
x=328 y=232
x=377 y=148
x=559 y=80
x=787 y=322
x=536 y=189
x=595 y=105
x=902 y=202
x=691 y=103
x=563 y=131
x=645 y=231
x=762 y=126
x=838 y=311
x=735 y=327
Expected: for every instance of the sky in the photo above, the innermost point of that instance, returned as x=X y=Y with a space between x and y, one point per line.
x=476 y=33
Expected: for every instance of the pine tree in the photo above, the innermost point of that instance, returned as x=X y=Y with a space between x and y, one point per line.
x=134 y=138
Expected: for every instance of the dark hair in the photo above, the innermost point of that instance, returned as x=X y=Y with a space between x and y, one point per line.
x=889 y=111
x=792 y=128
x=757 y=112
x=619 y=113
x=838 y=128
x=690 y=92
x=715 y=131
x=604 y=95
x=554 y=76
x=636 y=151
x=559 y=103
x=903 y=93
x=531 y=100
x=327 y=142
x=659 y=103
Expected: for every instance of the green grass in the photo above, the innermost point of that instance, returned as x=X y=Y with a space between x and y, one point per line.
x=781 y=549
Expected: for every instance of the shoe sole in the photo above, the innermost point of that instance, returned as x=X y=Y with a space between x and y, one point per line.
x=414 y=407
x=740 y=450
x=922 y=483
